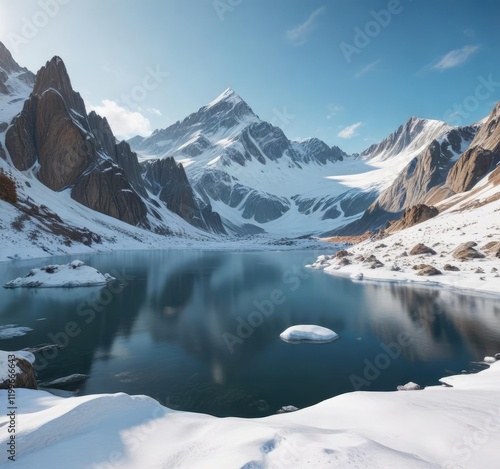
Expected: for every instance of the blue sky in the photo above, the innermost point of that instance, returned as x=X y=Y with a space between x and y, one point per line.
x=346 y=71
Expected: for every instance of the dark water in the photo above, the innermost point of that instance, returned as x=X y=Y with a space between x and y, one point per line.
x=171 y=330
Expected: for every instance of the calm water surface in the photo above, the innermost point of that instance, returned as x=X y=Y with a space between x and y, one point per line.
x=178 y=330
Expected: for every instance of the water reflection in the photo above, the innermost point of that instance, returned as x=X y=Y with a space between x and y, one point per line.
x=165 y=332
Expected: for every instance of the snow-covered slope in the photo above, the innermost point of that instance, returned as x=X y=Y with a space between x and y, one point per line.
x=469 y=218
x=257 y=179
x=412 y=137
x=441 y=426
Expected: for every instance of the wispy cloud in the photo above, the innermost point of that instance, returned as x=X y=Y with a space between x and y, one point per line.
x=153 y=110
x=454 y=58
x=333 y=110
x=299 y=34
x=469 y=32
x=369 y=68
x=350 y=130
x=124 y=123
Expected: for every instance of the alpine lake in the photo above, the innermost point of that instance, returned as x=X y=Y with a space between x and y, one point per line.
x=200 y=330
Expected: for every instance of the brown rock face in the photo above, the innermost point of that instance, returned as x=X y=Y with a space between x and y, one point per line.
x=54 y=131
x=493 y=247
x=174 y=188
x=168 y=180
x=472 y=166
x=25 y=379
x=418 y=183
x=46 y=130
x=63 y=152
x=55 y=76
x=413 y=216
x=20 y=138
x=106 y=190
x=466 y=251
x=421 y=249
x=481 y=158
x=428 y=270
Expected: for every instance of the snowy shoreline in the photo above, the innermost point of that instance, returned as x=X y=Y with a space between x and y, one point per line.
x=449 y=251
x=407 y=282
x=257 y=243
x=453 y=425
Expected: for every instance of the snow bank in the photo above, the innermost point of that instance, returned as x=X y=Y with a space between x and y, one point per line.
x=74 y=274
x=308 y=333
x=390 y=259
x=411 y=386
x=439 y=426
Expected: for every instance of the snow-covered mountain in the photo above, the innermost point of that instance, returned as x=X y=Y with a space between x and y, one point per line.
x=258 y=180
x=418 y=181
x=70 y=182
x=413 y=136
x=222 y=169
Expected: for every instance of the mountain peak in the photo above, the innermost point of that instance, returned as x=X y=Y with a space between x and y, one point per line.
x=53 y=75
x=416 y=133
x=228 y=96
x=13 y=78
x=7 y=62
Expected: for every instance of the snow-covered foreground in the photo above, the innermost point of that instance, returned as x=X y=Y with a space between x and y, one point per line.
x=443 y=234
x=451 y=427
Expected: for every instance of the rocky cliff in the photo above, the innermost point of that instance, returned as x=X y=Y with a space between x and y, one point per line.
x=54 y=138
x=418 y=181
x=482 y=157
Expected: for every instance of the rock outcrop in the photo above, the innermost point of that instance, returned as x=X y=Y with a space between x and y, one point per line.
x=418 y=182
x=169 y=182
x=54 y=133
x=8 y=68
x=19 y=368
x=466 y=251
x=481 y=158
x=421 y=249
x=413 y=216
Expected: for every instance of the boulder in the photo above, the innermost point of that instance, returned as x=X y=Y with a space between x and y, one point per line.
x=492 y=248
x=451 y=268
x=466 y=251
x=429 y=270
x=413 y=216
x=23 y=373
x=342 y=253
x=421 y=249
